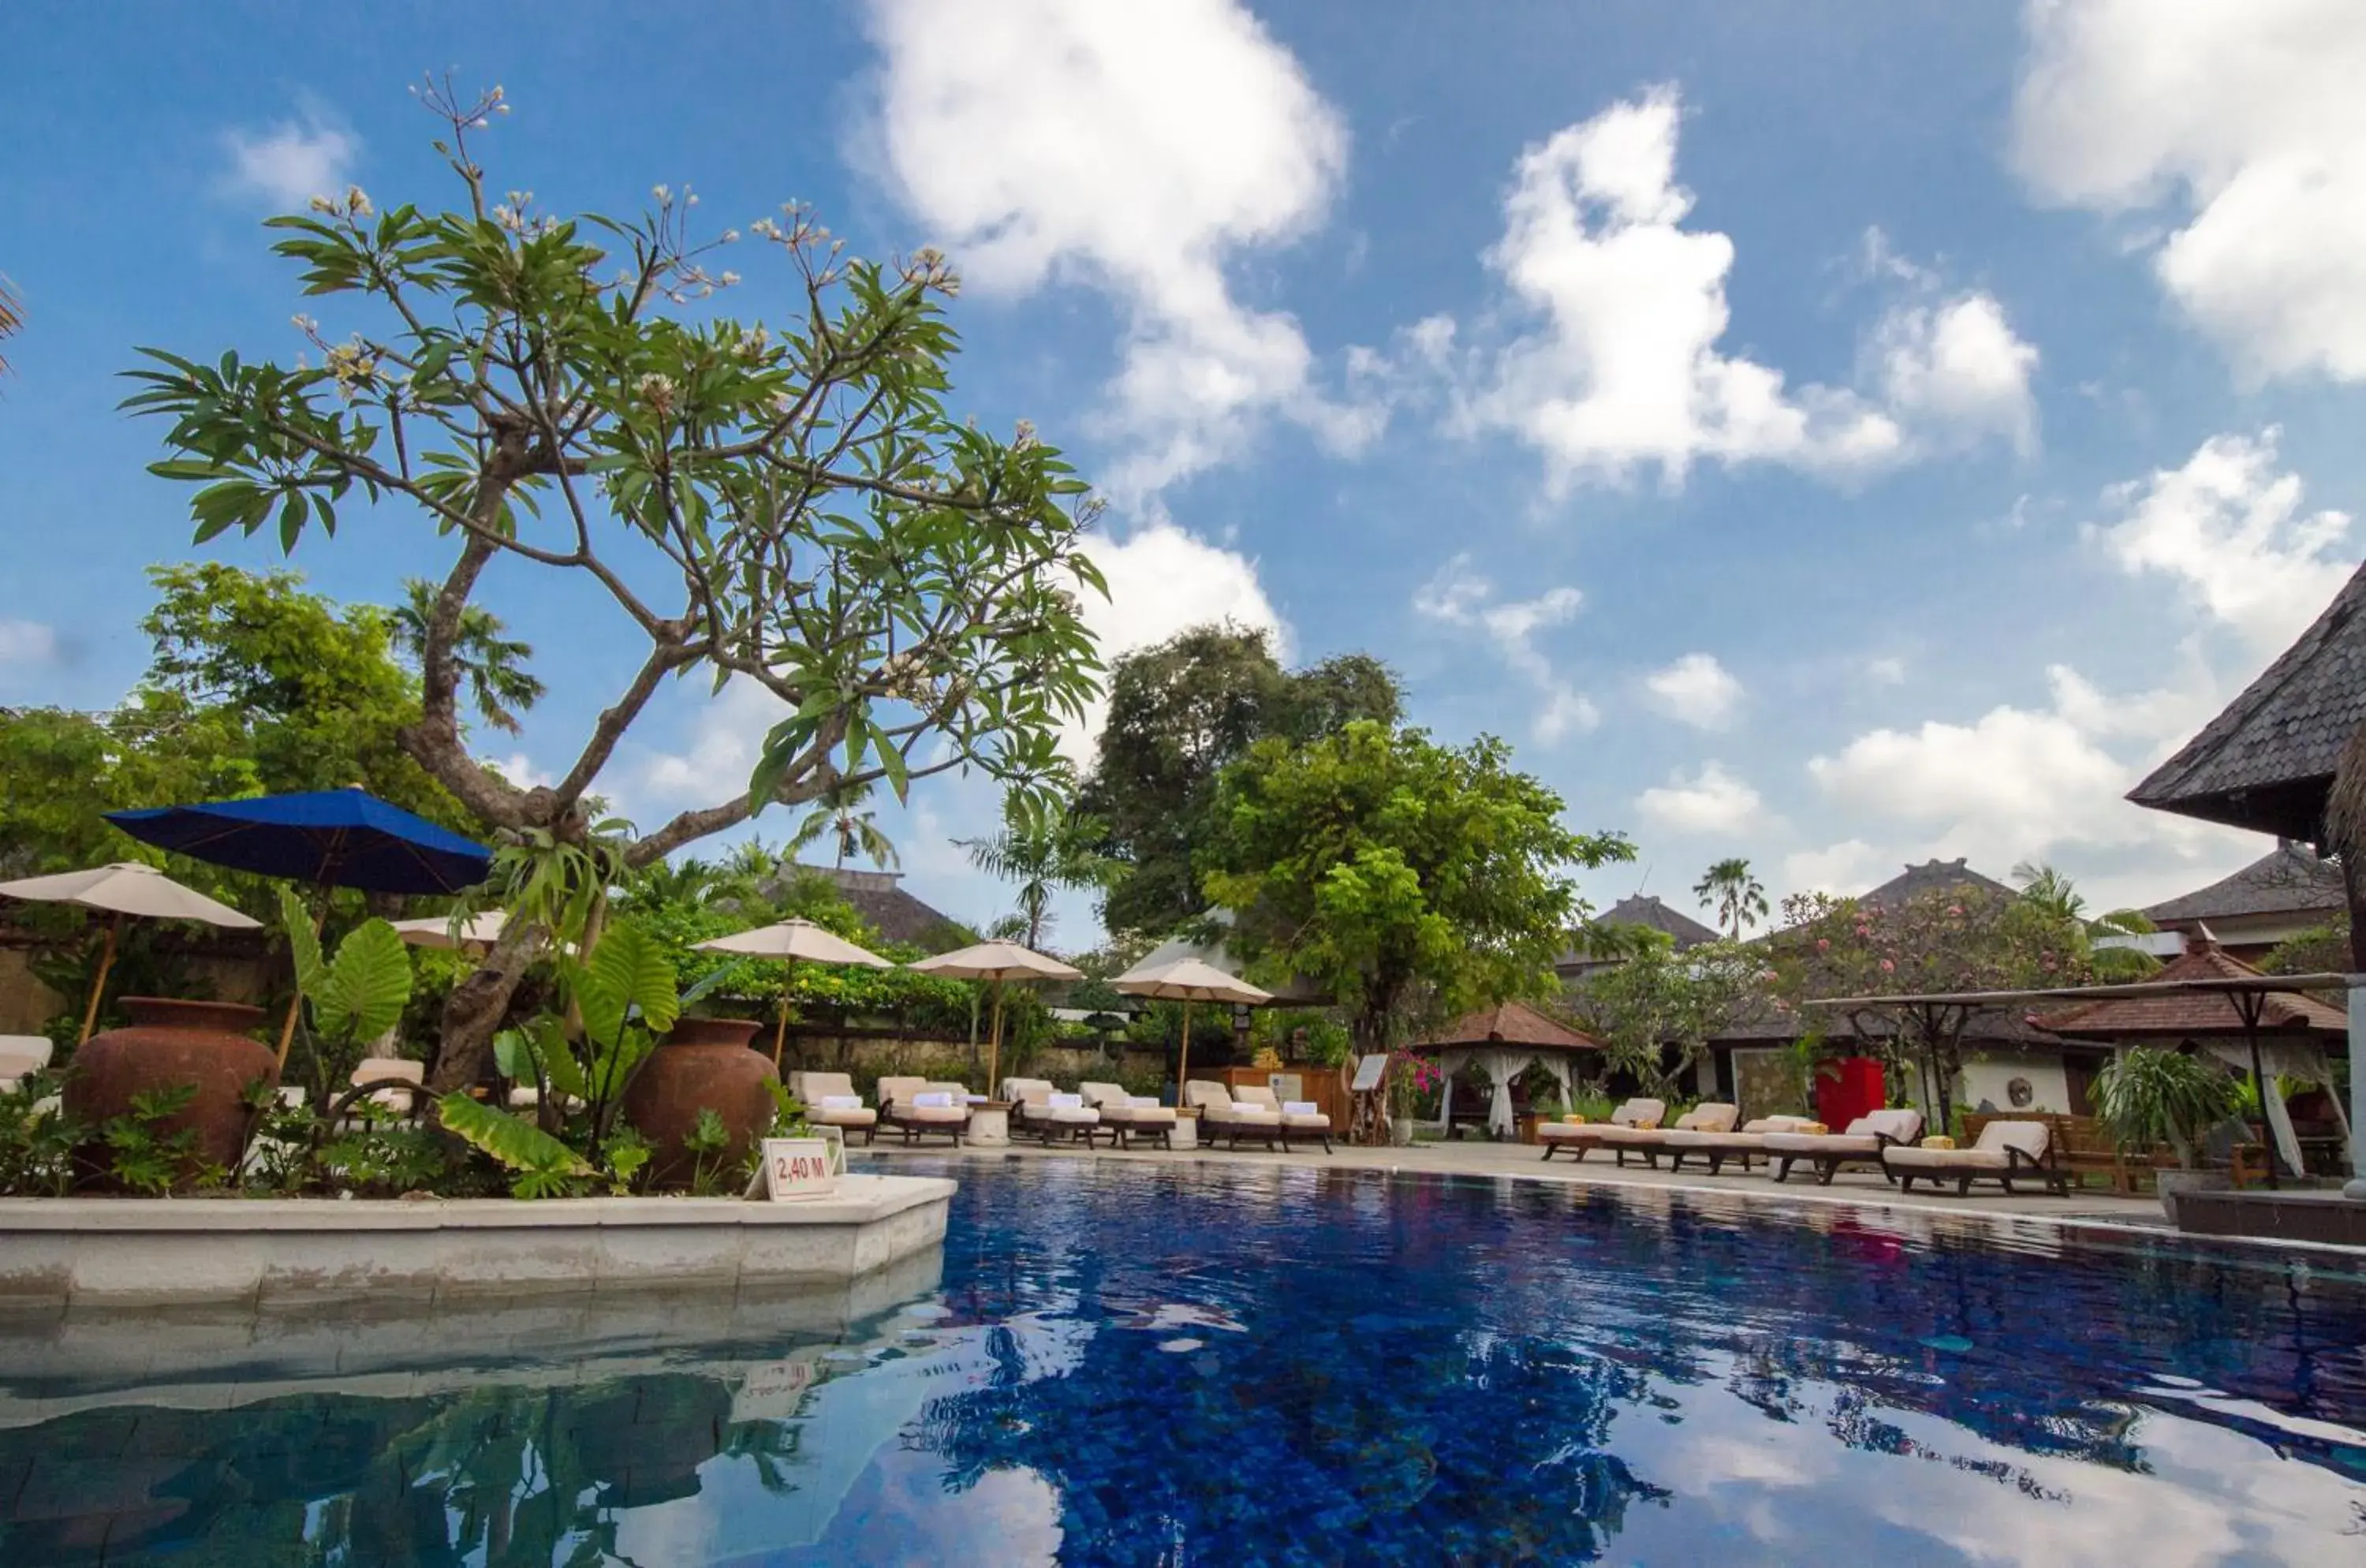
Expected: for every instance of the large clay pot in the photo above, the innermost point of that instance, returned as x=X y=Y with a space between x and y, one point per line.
x=167 y=1044
x=705 y=1063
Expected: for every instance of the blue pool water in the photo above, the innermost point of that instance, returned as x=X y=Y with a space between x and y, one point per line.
x=1129 y=1364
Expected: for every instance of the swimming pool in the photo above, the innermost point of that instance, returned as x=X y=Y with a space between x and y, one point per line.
x=1128 y=1363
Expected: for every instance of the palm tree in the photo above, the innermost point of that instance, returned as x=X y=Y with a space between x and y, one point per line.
x=1739 y=899
x=2050 y=891
x=858 y=831
x=494 y=665
x=686 y=881
x=1044 y=848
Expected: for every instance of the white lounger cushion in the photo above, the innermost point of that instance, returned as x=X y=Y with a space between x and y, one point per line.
x=842 y=1102
x=1989 y=1153
x=932 y=1101
x=1300 y=1108
x=1863 y=1138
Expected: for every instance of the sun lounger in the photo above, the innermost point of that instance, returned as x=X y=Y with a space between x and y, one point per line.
x=1862 y=1143
x=1744 y=1144
x=1044 y=1110
x=1626 y=1124
x=1220 y=1116
x=1129 y=1116
x=1299 y=1117
x=2007 y=1152
x=21 y=1054
x=830 y=1102
x=400 y=1082
x=920 y=1108
x=1709 y=1119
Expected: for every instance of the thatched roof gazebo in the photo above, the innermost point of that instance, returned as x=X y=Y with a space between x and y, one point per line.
x=1506 y=1040
x=2266 y=1033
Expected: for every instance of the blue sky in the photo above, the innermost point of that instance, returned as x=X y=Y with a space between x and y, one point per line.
x=1827 y=434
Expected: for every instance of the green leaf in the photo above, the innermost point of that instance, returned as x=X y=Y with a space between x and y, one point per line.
x=544 y=1167
x=367 y=984
x=304 y=942
x=626 y=970
x=558 y=1062
x=513 y=1054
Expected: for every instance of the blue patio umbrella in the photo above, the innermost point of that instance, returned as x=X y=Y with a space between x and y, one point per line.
x=331 y=838
x=336 y=837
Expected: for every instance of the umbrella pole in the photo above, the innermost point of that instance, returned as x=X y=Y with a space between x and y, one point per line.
x=994 y=1043
x=1183 y=1053
x=781 y=1026
x=98 y=987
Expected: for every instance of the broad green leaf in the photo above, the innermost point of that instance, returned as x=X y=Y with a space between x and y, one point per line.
x=304 y=942
x=557 y=1060
x=366 y=985
x=542 y=1164
x=626 y=970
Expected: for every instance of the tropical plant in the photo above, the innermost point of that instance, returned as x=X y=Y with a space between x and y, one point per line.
x=1178 y=713
x=36 y=1141
x=2053 y=893
x=1404 y=878
x=348 y=1001
x=625 y=995
x=543 y=1167
x=143 y=1157
x=1729 y=888
x=798 y=508
x=1043 y=848
x=2146 y=1098
x=855 y=833
x=492 y=664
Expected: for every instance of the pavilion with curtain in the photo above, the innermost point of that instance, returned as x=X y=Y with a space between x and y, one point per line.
x=1504 y=1042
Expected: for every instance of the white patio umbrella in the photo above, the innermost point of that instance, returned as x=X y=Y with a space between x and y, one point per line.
x=475 y=934
x=790 y=941
x=998 y=962
x=124 y=888
x=1188 y=981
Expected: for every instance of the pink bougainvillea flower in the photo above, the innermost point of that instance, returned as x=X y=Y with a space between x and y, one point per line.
x=1887 y=968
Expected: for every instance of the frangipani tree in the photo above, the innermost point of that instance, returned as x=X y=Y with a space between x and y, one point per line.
x=789 y=505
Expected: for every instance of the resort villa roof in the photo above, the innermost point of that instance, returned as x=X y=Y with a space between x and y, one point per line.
x=1644 y=909
x=1933 y=876
x=2267 y=762
x=2288 y=880
x=1510 y=1024
x=2187 y=1012
x=880 y=898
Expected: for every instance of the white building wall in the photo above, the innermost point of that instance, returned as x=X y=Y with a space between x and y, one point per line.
x=1986 y=1083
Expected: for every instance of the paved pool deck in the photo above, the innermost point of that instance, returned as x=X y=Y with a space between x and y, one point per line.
x=1524 y=1162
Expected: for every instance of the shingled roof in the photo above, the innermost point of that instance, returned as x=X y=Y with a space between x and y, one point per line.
x=2193 y=1014
x=2267 y=762
x=2291 y=880
x=1512 y=1023
x=879 y=898
x=1933 y=876
x=1642 y=909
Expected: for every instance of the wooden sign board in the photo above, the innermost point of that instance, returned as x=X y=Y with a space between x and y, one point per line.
x=800 y=1167
x=1369 y=1072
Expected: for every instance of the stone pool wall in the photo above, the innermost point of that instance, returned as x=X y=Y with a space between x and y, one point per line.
x=112 y=1251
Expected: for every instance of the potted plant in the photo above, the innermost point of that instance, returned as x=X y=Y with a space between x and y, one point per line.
x=2149 y=1097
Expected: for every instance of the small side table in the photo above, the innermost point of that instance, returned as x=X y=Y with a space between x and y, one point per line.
x=989 y=1127
x=1186 y=1134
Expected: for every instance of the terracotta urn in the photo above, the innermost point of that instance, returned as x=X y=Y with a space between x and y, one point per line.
x=168 y=1044
x=704 y=1065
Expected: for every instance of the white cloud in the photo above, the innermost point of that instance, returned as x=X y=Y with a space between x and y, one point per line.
x=1135 y=149
x=1697 y=690
x=1625 y=371
x=293 y=160
x=1885 y=672
x=1957 y=371
x=2241 y=129
x=1163 y=579
x=2025 y=783
x=27 y=642
x=1458 y=596
x=2229 y=527
x=1844 y=870
x=520 y=770
x=1713 y=801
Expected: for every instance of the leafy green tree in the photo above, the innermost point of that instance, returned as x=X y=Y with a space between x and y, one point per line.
x=257 y=685
x=793 y=506
x=2059 y=898
x=1043 y=850
x=1731 y=889
x=1178 y=713
x=1655 y=1010
x=855 y=833
x=1405 y=878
